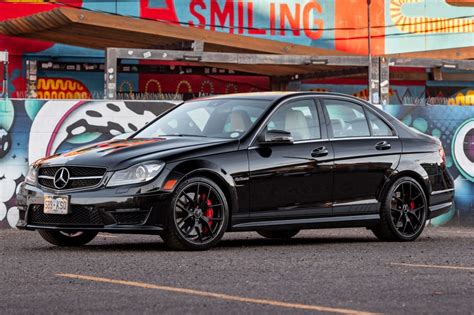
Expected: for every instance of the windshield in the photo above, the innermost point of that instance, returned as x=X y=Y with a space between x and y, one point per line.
x=218 y=118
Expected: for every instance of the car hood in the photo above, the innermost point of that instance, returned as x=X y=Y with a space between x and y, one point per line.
x=114 y=154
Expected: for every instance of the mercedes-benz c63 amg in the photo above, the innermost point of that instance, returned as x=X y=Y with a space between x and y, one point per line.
x=274 y=163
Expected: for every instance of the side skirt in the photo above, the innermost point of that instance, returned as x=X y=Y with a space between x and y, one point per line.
x=365 y=220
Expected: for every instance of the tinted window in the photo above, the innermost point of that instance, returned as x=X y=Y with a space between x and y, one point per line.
x=298 y=117
x=347 y=119
x=219 y=118
x=379 y=127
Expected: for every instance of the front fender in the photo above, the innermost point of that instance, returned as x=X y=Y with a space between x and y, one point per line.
x=186 y=169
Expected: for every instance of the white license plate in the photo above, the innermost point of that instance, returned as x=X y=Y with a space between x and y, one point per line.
x=56 y=204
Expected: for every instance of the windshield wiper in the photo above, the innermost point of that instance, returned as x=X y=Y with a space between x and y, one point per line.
x=184 y=135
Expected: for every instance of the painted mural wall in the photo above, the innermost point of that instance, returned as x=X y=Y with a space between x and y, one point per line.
x=398 y=26
x=401 y=93
x=31 y=129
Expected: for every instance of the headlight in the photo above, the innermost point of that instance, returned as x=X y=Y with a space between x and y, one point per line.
x=32 y=176
x=139 y=173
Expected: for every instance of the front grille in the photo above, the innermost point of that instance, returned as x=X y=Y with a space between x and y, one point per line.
x=81 y=183
x=46 y=176
x=48 y=171
x=80 y=215
x=47 y=182
x=138 y=217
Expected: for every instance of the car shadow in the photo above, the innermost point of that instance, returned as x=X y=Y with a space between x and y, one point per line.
x=260 y=242
x=226 y=244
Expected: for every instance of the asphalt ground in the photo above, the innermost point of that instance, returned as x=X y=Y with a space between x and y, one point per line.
x=320 y=271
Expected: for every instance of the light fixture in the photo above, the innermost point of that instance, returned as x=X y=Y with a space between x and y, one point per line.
x=450 y=65
x=192 y=58
x=314 y=61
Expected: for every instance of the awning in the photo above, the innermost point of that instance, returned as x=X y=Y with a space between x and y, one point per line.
x=91 y=29
x=461 y=53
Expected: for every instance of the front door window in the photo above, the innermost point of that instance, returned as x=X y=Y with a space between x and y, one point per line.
x=298 y=117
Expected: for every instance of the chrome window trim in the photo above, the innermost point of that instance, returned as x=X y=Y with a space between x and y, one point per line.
x=310 y=141
x=264 y=123
x=321 y=98
x=363 y=138
x=294 y=143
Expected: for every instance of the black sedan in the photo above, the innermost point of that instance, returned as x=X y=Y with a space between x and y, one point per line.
x=274 y=163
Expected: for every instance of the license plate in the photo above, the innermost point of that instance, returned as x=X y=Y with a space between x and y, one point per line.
x=56 y=204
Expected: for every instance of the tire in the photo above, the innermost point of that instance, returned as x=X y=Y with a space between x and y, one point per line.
x=197 y=217
x=278 y=234
x=60 y=238
x=403 y=213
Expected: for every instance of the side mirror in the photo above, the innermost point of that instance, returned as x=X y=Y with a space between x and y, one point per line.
x=277 y=137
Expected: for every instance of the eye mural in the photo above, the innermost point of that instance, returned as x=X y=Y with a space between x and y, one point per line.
x=463 y=149
x=449 y=124
x=32 y=129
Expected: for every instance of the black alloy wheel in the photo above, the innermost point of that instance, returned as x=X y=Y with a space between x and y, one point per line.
x=63 y=238
x=199 y=215
x=404 y=214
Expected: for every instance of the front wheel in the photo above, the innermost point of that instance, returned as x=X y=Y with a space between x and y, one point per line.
x=197 y=217
x=61 y=238
x=404 y=212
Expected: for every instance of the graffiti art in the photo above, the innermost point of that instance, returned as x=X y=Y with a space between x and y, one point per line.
x=454 y=126
x=399 y=26
x=32 y=129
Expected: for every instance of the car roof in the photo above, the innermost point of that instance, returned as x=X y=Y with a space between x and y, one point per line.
x=273 y=96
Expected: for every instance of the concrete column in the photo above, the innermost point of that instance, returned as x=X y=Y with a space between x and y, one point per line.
x=110 y=73
x=384 y=80
x=374 y=81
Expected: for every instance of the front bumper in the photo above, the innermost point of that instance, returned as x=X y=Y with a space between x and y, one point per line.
x=116 y=210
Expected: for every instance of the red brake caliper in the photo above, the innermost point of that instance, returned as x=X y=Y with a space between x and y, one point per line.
x=209 y=213
x=412 y=204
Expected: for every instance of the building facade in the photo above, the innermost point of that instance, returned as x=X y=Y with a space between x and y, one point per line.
x=397 y=26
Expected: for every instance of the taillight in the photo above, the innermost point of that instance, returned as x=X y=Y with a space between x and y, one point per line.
x=442 y=154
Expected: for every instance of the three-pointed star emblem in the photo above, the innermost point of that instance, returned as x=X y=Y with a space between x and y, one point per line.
x=61 y=178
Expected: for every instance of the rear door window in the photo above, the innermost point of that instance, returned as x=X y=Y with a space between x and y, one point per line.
x=347 y=119
x=378 y=126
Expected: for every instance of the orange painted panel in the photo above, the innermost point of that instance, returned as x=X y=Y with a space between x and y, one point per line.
x=461 y=3
x=351 y=26
x=59 y=88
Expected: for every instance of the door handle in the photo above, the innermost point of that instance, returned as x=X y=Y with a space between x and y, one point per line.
x=383 y=145
x=318 y=152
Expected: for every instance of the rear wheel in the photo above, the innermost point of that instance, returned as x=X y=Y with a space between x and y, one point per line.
x=404 y=212
x=61 y=238
x=282 y=234
x=198 y=215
